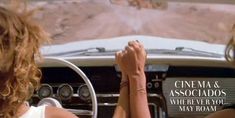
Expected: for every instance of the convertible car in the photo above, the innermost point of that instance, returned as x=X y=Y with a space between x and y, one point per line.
x=184 y=78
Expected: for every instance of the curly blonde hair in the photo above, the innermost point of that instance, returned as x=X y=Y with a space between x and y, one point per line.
x=20 y=40
x=230 y=48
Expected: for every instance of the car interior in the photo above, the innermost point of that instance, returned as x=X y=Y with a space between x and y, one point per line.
x=185 y=78
x=88 y=84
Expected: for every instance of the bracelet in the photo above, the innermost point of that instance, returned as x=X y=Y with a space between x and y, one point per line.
x=123 y=84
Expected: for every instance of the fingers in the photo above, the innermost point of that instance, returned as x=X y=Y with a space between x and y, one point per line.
x=132 y=47
x=136 y=45
x=129 y=49
x=132 y=58
x=118 y=56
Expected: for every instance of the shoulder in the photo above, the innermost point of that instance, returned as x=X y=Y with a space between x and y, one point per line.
x=54 y=112
x=226 y=113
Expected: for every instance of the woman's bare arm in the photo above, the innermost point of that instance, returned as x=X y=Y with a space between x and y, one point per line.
x=133 y=62
x=122 y=109
x=54 y=112
x=138 y=97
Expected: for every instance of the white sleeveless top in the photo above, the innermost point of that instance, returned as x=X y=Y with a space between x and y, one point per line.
x=35 y=112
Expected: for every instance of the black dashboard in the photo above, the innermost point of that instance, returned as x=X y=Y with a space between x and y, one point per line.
x=106 y=79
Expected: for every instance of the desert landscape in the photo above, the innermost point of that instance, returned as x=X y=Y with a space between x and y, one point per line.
x=73 y=20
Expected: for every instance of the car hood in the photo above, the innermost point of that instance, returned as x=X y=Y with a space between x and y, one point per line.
x=118 y=43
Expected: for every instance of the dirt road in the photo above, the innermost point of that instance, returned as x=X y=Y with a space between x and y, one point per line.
x=83 y=20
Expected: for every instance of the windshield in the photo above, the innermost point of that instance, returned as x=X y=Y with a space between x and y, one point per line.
x=85 y=20
x=72 y=20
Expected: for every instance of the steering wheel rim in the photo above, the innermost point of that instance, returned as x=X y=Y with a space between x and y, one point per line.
x=84 y=77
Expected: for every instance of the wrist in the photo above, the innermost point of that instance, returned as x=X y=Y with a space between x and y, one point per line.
x=138 y=90
x=124 y=77
x=124 y=83
x=135 y=71
x=137 y=82
x=138 y=77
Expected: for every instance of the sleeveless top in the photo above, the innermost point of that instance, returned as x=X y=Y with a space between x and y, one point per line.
x=35 y=112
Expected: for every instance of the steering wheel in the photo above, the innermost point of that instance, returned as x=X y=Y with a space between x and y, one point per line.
x=54 y=102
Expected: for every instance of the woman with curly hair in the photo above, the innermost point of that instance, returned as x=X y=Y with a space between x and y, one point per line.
x=20 y=40
x=228 y=110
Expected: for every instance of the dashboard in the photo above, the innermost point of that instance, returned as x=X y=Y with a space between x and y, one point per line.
x=176 y=87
